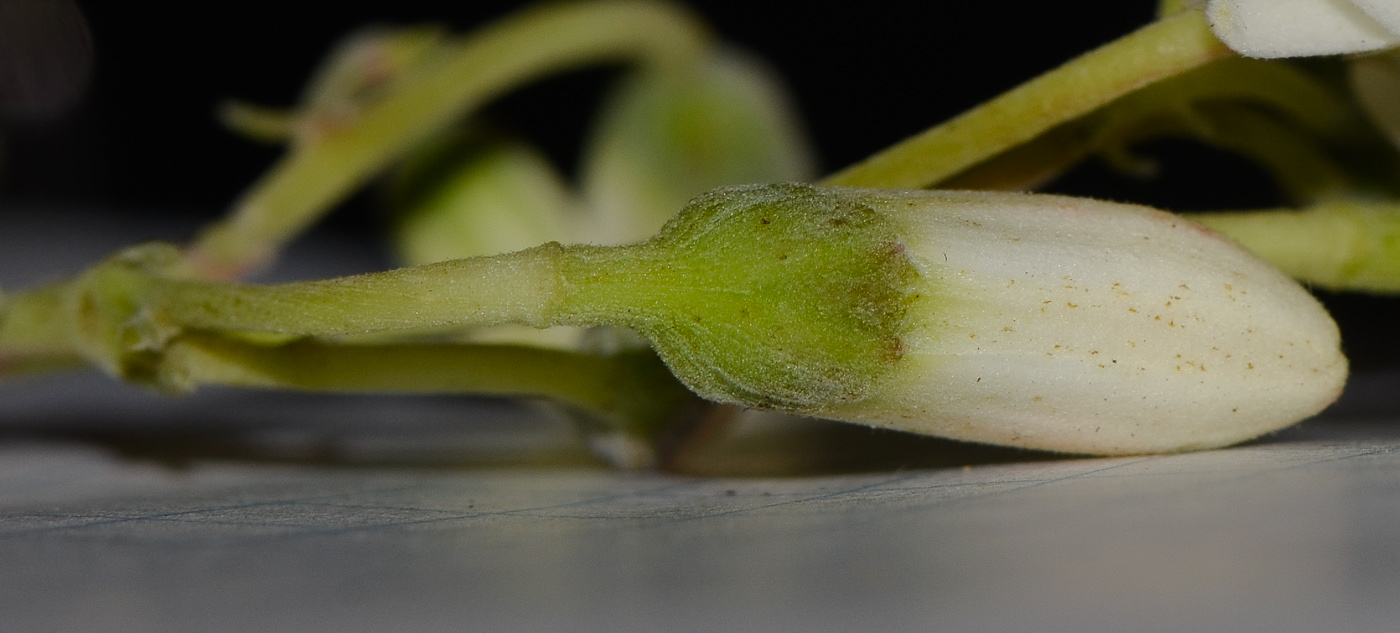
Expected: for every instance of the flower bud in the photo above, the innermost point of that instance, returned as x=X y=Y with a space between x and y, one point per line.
x=1027 y=320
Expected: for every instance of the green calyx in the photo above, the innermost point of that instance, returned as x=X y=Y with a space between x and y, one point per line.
x=773 y=296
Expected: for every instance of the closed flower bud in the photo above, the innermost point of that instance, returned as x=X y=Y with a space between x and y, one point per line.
x=1026 y=320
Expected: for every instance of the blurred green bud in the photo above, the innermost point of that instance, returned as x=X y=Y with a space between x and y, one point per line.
x=669 y=133
x=473 y=195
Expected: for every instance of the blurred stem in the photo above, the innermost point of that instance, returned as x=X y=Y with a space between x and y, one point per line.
x=1343 y=245
x=1269 y=112
x=33 y=336
x=318 y=172
x=1296 y=161
x=1166 y=48
x=582 y=380
x=263 y=124
x=1299 y=165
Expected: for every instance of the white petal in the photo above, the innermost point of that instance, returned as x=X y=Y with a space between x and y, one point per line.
x=1296 y=28
x=1083 y=326
x=1386 y=12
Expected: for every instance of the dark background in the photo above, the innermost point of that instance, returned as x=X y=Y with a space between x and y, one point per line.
x=141 y=139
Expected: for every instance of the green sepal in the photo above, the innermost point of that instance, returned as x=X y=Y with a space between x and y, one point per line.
x=767 y=296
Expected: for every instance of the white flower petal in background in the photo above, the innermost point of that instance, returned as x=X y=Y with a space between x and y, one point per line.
x=1299 y=28
x=1386 y=12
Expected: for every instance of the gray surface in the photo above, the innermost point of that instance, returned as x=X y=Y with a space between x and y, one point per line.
x=228 y=511
x=1298 y=534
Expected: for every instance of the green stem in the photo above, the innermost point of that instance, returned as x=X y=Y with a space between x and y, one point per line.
x=132 y=319
x=522 y=287
x=33 y=337
x=1298 y=163
x=1337 y=244
x=1157 y=51
x=316 y=174
x=266 y=125
x=1270 y=112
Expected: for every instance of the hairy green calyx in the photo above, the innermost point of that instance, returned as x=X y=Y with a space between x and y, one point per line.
x=772 y=296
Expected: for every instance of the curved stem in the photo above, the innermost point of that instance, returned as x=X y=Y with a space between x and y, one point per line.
x=1273 y=113
x=1157 y=51
x=1296 y=160
x=317 y=173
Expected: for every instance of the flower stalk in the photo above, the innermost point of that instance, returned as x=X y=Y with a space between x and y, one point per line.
x=938 y=312
x=1165 y=48
x=1338 y=245
x=1276 y=115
